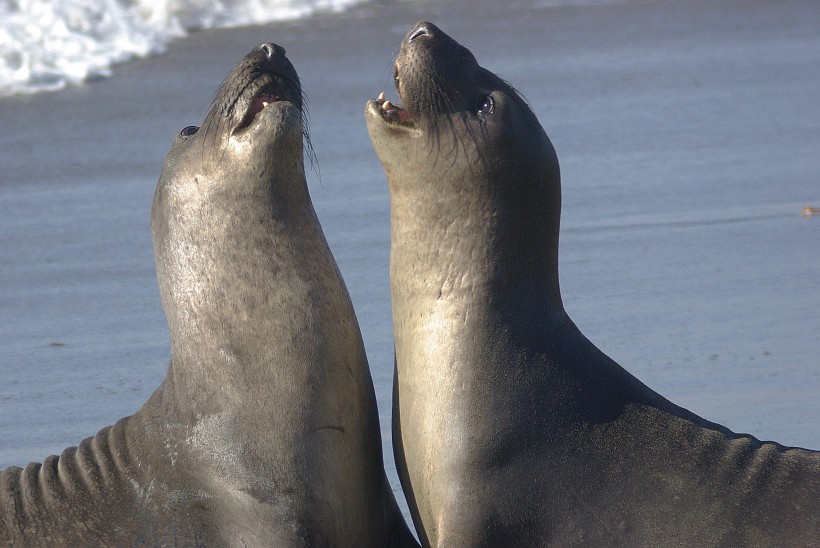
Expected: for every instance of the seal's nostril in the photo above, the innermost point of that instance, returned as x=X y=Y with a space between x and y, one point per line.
x=272 y=49
x=421 y=31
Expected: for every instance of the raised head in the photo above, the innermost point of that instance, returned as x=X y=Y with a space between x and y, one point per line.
x=254 y=129
x=468 y=165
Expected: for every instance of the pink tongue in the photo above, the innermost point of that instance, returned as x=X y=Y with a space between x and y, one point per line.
x=259 y=103
x=403 y=114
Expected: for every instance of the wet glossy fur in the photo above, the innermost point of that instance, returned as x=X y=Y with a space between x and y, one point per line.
x=510 y=427
x=265 y=430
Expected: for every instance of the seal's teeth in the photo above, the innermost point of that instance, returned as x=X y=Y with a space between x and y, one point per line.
x=381 y=96
x=386 y=105
x=265 y=103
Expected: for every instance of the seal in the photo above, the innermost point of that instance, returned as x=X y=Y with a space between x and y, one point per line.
x=265 y=430
x=510 y=427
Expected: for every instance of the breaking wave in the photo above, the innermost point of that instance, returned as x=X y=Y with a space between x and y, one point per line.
x=47 y=45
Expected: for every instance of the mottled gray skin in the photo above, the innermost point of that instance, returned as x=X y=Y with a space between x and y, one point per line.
x=510 y=427
x=265 y=430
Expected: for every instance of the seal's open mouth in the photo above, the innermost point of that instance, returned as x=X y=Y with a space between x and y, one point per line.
x=394 y=114
x=256 y=94
x=257 y=105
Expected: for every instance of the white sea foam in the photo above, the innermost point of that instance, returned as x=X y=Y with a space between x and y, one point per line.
x=50 y=44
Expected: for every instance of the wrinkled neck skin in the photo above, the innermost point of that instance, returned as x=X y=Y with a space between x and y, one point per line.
x=267 y=360
x=457 y=263
x=463 y=244
x=458 y=260
x=236 y=255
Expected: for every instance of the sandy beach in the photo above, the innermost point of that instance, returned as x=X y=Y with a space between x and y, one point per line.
x=688 y=135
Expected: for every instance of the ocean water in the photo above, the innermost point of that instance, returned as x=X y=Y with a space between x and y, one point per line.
x=46 y=45
x=688 y=136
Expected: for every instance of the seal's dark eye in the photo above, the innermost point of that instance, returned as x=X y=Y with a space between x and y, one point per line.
x=188 y=131
x=487 y=105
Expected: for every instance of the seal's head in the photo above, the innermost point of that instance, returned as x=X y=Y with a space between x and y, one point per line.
x=228 y=190
x=455 y=106
x=255 y=126
x=465 y=153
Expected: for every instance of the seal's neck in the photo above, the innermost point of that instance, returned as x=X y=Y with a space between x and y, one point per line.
x=474 y=272
x=246 y=277
x=475 y=245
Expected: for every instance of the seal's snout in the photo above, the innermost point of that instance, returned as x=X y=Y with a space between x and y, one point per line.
x=263 y=77
x=272 y=50
x=269 y=57
x=421 y=29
